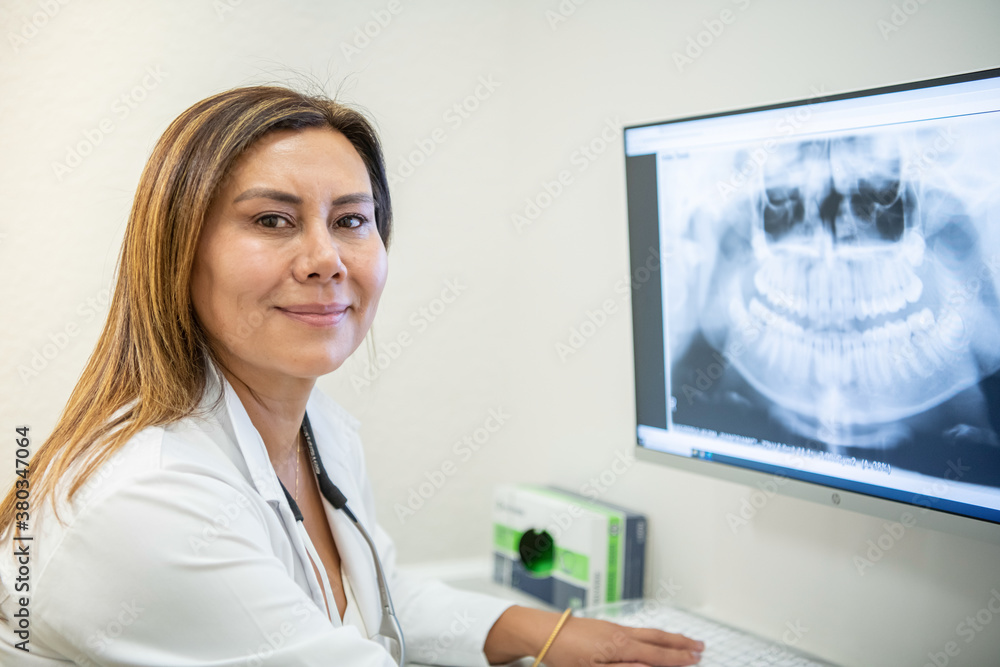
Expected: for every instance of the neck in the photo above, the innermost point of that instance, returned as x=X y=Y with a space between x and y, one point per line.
x=276 y=405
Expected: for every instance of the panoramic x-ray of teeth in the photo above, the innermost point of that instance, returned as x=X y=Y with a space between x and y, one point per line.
x=841 y=292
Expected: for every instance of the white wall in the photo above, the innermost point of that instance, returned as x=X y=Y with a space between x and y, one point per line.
x=523 y=290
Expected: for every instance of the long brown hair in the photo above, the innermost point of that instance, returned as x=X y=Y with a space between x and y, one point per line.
x=149 y=365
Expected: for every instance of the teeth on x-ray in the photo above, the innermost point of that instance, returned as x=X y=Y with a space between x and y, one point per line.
x=841 y=301
x=873 y=359
x=842 y=291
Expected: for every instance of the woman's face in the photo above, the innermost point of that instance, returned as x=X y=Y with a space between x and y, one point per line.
x=290 y=265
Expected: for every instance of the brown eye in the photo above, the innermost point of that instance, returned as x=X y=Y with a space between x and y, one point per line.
x=351 y=221
x=271 y=221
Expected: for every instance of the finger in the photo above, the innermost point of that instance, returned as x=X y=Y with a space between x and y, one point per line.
x=658 y=656
x=667 y=639
x=639 y=664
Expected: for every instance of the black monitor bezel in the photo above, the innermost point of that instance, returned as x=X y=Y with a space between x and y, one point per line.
x=827 y=494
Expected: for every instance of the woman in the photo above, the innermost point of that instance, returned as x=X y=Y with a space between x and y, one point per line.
x=177 y=510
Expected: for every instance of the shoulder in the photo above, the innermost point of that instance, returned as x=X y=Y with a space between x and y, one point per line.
x=190 y=447
x=177 y=476
x=149 y=507
x=166 y=541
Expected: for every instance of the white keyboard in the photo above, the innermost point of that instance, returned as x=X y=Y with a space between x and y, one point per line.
x=724 y=646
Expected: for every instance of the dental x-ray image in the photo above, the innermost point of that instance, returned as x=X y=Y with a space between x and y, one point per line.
x=839 y=291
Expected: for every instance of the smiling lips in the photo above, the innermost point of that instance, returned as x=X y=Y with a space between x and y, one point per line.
x=317 y=314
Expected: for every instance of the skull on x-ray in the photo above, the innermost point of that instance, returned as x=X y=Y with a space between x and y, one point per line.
x=850 y=297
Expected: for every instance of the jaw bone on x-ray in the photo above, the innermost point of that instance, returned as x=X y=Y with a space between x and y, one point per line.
x=849 y=283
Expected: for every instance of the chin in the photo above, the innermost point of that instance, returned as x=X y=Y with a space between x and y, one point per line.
x=317 y=366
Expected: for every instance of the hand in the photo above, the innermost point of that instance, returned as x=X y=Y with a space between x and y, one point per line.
x=585 y=642
x=588 y=641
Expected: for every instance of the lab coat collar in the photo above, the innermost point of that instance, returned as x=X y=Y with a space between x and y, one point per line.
x=355 y=559
x=355 y=556
x=332 y=440
x=248 y=439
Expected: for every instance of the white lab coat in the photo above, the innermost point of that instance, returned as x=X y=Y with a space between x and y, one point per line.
x=182 y=550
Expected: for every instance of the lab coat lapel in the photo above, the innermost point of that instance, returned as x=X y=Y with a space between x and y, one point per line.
x=265 y=480
x=355 y=556
x=356 y=563
x=356 y=559
x=252 y=447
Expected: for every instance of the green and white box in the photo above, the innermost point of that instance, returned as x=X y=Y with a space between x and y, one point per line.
x=566 y=549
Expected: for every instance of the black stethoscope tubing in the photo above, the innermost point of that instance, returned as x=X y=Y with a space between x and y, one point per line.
x=390 y=627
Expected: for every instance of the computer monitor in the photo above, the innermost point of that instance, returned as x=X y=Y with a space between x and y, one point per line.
x=816 y=298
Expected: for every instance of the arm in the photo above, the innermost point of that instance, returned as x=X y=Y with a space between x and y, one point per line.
x=444 y=626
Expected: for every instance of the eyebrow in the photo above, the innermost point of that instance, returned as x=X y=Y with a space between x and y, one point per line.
x=288 y=198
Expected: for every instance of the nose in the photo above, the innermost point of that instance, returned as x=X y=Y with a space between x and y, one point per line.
x=319 y=255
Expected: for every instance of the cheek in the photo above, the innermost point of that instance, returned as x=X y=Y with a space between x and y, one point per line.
x=371 y=270
x=227 y=290
x=381 y=272
x=203 y=294
x=379 y=275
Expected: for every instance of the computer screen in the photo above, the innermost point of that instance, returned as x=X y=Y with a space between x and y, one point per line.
x=816 y=291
